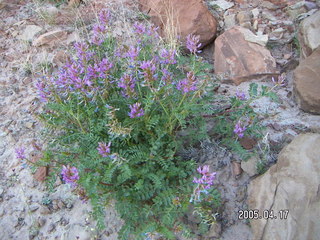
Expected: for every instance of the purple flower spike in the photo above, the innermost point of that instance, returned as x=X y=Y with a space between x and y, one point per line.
x=133 y=52
x=139 y=28
x=104 y=16
x=188 y=84
x=204 y=183
x=70 y=175
x=104 y=149
x=168 y=56
x=193 y=43
x=127 y=83
x=239 y=130
x=136 y=110
x=20 y=153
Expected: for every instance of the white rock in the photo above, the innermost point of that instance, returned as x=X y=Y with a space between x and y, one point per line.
x=259 y=39
x=29 y=32
x=223 y=5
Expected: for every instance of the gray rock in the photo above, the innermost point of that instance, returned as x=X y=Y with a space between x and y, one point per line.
x=290 y=188
x=229 y=21
x=244 y=16
x=223 y=5
x=34 y=207
x=250 y=166
x=29 y=33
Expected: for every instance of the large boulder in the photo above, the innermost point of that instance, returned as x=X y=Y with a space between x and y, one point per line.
x=306 y=83
x=291 y=186
x=239 y=59
x=176 y=17
x=309 y=34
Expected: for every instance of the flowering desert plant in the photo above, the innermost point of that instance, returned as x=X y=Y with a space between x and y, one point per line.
x=115 y=111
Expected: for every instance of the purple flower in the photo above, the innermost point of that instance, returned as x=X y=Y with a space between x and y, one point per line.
x=20 y=153
x=239 y=130
x=280 y=81
x=136 y=110
x=168 y=56
x=241 y=95
x=127 y=83
x=166 y=76
x=193 y=44
x=139 y=28
x=148 y=65
x=43 y=90
x=70 y=175
x=104 y=16
x=188 y=84
x=104 y=149
x=133 y=52
x=204 y=183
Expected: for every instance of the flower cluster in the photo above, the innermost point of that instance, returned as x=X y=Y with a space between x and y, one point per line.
x=136 y=110
x=127 y=83
x=204 y=183
x=70 y=175
x=193 y=43
x=239 y=129
x=104 y=149
x=188 y=84
x=241 y=95
x=100 y=29
x=280 y=80
x=20 y=153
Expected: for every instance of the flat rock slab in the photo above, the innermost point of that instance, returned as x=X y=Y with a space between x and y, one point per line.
x=290 y=189
x=306 y=83
x=239 y=60
x=50 y=37
x=309 y=34
x=187 y=17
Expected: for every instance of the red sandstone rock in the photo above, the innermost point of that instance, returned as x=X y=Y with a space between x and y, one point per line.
x=239 y=60
x=188 y=17
x=306 y=83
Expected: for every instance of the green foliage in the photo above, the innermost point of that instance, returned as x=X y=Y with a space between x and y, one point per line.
x=141 y=171
x=241 y=111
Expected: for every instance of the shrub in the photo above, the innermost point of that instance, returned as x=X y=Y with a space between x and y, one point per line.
x=114 y=111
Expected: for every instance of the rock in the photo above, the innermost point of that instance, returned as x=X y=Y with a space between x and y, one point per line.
x=214 y=231
x=269 y=5
x=236 y=169
x=229 y=21
x=255 y=13
x=250 y=166
x=292 y=185
x=295 y=10
x=51 y=227
x=222 y=4
x=239 y=60
x=239 y=231
x=268 y=15
x=34 y=207
x=247 y=142
x=41 y=221
x=306 y=84
x=261 y=39
x=244 y=16
x=74 y=3
x=187 y=17
x=29 y=32
x=60 y=58
x=50 y=38
x=309 y=33
x=77 y=231
x=44 y=210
